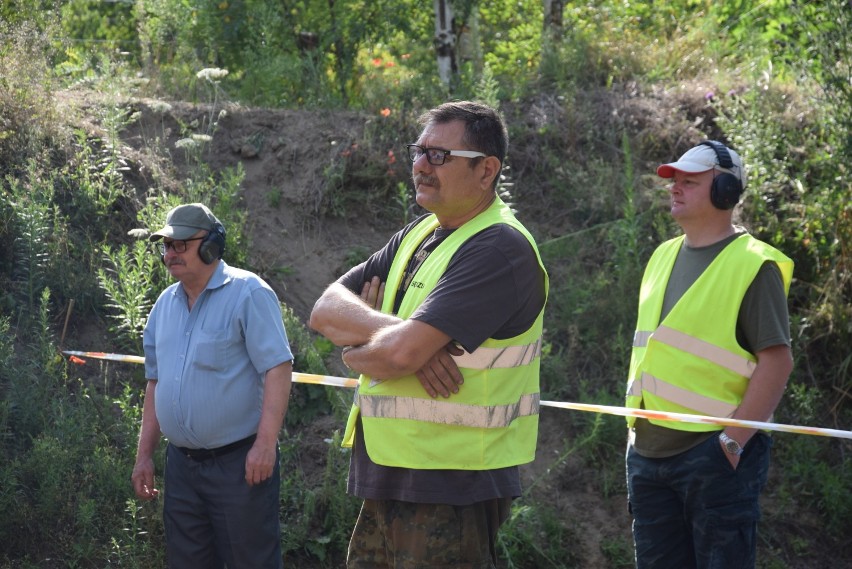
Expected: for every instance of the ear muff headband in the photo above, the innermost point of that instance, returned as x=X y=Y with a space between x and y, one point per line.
x=726 y=188
x=213 y=245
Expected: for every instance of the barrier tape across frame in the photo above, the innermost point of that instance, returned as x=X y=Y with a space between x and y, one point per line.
x=330 y=380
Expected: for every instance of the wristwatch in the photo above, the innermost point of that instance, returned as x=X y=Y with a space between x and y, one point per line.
x=730 y=444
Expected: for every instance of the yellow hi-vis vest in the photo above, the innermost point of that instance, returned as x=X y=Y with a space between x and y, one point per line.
x=492 y=422
x=691 y=362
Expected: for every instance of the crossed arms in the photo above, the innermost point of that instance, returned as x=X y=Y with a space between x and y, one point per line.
x=384 y=346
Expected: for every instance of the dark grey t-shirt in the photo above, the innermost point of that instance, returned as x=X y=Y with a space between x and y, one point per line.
x=493 y=288
x=763 y=321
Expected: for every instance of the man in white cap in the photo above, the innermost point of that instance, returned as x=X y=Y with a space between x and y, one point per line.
x=712 y=338
x=219 y=370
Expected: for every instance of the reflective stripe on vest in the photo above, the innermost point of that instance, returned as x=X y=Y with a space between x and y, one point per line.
x=681 y=396
x=640 y=338
x=706 y=350
x=696 y=347
x=496 y=358
x=493 y=358
x=444 y=412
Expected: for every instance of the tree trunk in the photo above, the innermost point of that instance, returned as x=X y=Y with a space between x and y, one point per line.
x=553 y=18
x=445 y=41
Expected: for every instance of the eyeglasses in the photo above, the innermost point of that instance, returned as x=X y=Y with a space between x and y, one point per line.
x=178 y=245
x=437 y=156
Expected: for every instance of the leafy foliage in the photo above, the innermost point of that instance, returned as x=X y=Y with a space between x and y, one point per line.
x=127 y=283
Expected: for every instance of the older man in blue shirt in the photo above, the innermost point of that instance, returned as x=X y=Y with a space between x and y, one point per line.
x=219 y=369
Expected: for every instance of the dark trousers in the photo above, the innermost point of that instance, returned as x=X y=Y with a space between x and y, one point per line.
x=694 y=510
x=213 y=518
x=402 y=535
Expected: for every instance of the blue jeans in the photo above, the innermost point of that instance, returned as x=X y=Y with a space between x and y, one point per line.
x=694 y=510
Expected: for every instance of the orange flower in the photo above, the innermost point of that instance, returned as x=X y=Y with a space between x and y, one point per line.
x=78 y=361
x=391 y=157
x=385 y=112
x=377 y=62
x=389 y=64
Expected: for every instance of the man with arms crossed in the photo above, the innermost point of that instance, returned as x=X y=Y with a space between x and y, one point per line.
x=444 y=324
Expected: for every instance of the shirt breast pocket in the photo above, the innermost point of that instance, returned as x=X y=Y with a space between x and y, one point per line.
x=211 y=353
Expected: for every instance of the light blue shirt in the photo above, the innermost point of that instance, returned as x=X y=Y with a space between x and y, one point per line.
x=210 y=363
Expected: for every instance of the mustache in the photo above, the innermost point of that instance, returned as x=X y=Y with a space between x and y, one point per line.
x=428 y=180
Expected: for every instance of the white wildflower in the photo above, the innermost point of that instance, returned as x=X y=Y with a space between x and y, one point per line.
x=187 y=143
x=211 y=73
x=202 y=137
x=161 y=107
x=138 y=233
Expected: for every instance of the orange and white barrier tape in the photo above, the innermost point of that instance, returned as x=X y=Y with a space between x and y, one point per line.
x=605 y=409
x=687 y=418
x=298 y=377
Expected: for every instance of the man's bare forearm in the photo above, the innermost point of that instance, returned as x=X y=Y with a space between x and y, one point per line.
x=341 y=316
x=276 y=395
x=397 y=350
x=765 y=389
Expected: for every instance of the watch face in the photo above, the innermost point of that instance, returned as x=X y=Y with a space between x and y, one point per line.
x=731 y=446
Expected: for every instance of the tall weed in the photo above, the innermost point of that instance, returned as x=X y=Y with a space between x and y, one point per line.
x=127 y=280
x=30 y=200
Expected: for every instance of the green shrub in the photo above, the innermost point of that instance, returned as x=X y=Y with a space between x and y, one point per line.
x=536 y=537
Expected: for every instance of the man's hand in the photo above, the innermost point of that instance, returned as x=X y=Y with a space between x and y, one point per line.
x=373 y=293
x=142 y=477
x=260 y=462
x=441 y=374
x=143 y=480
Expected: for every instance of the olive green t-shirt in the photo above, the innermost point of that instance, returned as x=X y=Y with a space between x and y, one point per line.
x=763 y=322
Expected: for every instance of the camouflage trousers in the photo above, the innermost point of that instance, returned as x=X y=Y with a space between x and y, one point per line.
x=693 y=510
x=402 y=535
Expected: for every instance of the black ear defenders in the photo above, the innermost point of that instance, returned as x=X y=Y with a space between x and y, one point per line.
x=213 y=245
x=726 y=188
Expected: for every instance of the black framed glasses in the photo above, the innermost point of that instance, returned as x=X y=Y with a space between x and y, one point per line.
x=437 y=156
x=178 y=245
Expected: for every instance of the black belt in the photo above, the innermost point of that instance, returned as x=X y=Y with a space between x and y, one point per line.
x=200 y=454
